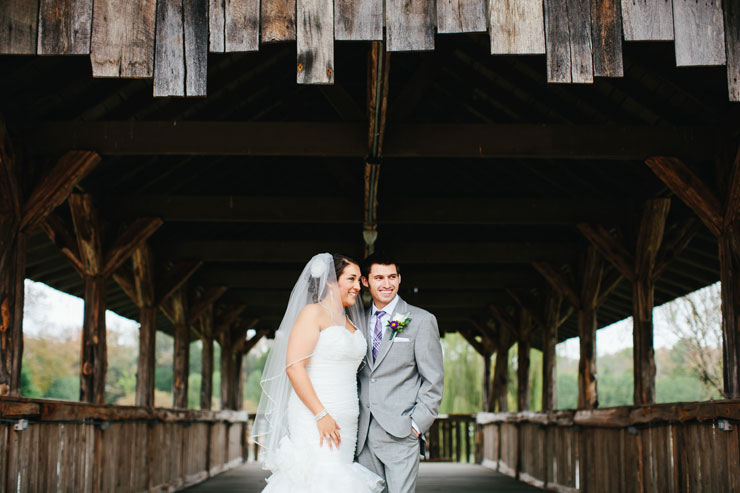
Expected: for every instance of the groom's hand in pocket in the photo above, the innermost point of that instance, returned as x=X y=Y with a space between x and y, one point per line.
x=329 y=431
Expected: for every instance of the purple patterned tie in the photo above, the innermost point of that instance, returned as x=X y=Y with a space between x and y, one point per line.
x=378 y=336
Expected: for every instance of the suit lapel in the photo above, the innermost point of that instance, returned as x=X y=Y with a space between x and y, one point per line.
x=369 y=338
x=386 y=343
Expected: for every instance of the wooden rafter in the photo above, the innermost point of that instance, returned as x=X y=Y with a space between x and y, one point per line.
x=128 y=241
x=690 y=189
x=224 y=321
x=56 y=185
x=64 y=240
x=526 y=303
x=610 y=248
x=674 y=243
x=558 y=282
x=349 y=139
x=175 y=277
x=206 y=300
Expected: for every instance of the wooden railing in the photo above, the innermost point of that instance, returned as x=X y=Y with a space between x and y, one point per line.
x=667 y=447
x=452 y=438
x=67 y=446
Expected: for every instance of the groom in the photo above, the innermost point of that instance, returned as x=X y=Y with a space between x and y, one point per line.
x=401 y=381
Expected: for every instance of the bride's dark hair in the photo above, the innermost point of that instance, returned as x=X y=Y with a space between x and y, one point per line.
x=340 y=263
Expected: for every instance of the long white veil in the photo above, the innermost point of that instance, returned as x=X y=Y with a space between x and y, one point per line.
x=316 y=284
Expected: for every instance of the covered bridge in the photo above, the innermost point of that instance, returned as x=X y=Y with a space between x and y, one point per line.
x=541 y=168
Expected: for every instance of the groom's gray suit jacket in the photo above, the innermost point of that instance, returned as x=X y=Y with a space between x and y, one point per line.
x=406 y=379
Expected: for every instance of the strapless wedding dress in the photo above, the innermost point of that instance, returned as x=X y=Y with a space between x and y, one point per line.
x=300 y=465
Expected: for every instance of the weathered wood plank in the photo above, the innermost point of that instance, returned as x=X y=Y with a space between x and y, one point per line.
x=241 y=28
x=169 y=56
x=277 y=18
x=461 y=16
x=19 y=23
x=216 y=24
x=516 y=27
x=315 y=38
x=606 y=38
x=123 y=38
x=56 y=185
x=195 y=15
x=732 y=42
x=700 y=32
x=409 y=25
x=359 y=20
x=557 y=38
x=647 y=20
x=579 y=24
x=64 y=27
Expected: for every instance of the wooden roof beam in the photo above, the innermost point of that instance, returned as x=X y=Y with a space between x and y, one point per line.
x=408 y=252
x=348 y=139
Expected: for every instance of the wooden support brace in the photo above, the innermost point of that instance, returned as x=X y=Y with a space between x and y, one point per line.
x=56 y=186
x=64 y=240
x=228 y=317
x=690 y=189
x=558 y=281
x=175 y=278
x=610 y=248
x=206 y=382
x=128 y=241
x=527 y=305
x=206 y=300
x=674 y=243
x=553 y=301
x=524 y=345
x=181 y=362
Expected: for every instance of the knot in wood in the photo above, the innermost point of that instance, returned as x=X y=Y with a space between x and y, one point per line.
x=328 y=72
x=4 y=389
x=300 y=67
x=95 y=339
x=87 y=368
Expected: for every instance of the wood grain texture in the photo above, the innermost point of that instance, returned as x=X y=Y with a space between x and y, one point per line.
x=122 y=42
x=216 y=23
x=461 y=16
x=18 y=27
x=64 y=27
x=358 y=20
x=195 y=15
x=241 y=25
x=517 y=27
x=11 y=316
x=181 y=359
x=557 y=37
x=699 y=32
x=647 y=20
x=315 y=39
x=409 y=25
x=56 y=185
x=581 y=59
x=277 y=19
x=606 y=38
x=169 y=55
x=732 y=43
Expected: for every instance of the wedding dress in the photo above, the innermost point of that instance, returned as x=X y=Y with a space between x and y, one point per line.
x=299 y=464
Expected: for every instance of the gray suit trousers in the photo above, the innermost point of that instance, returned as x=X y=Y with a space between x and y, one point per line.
x=395 y=459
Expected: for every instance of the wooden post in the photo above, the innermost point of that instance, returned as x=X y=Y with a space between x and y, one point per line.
x=181 y=363
x=206 y=382
x=11 y=315
x=549 y=340
x=227 y=369
x=524 y=345
x=501 y=373
x=145 y=294
x=591 y=272
x=239 y=381
x=486 y=384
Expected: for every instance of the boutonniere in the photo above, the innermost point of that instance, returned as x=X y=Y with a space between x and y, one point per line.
x=398 y=323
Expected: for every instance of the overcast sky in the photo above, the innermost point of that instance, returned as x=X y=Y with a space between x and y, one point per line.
x=55 y=313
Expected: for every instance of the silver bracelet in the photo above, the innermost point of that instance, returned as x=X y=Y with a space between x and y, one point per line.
x=321 y=414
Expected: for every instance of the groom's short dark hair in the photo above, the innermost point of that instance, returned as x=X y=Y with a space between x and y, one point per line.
x=381 y=258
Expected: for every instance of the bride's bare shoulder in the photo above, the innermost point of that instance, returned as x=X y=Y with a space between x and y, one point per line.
x=312 y=311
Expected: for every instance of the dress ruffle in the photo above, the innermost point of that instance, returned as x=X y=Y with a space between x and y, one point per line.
x=295 y=470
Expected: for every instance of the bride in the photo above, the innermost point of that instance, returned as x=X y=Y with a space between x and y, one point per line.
x=307 y=416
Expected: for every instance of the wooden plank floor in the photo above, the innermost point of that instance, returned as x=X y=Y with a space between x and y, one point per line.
x=433 y=478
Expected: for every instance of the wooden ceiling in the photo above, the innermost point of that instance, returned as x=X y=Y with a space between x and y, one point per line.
x=486 y=169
